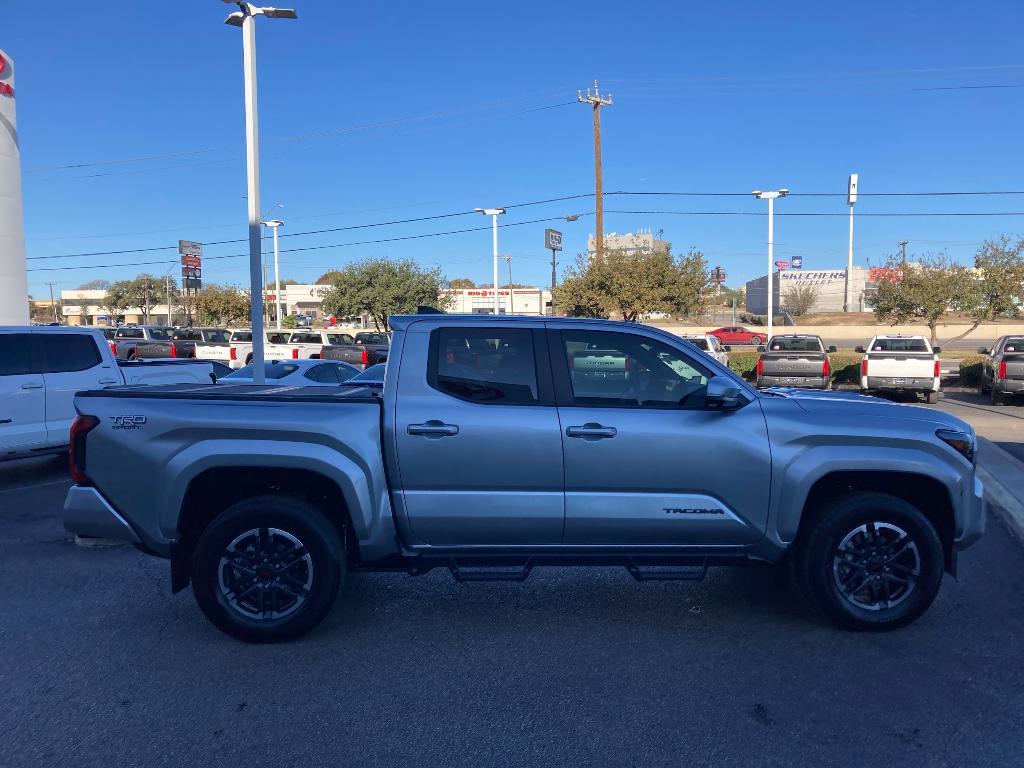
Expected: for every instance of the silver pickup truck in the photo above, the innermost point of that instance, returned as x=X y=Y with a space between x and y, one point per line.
x=1002 y=374
x=794 y=360
x=496 y=445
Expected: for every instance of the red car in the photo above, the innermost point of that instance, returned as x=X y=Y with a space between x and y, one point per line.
x=737 y=335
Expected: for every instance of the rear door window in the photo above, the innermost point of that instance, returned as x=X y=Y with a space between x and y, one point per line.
x=160 y=334
x=306 y=338
x=1014 y=345
x=130 y=333
x=339 y=338
x=484 y=365
x=216 y=336
x=241 y=336
x=67 y=352
x=15 y=354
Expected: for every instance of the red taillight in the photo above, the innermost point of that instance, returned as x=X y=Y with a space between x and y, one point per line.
x=760 y=367
x=938 y=370
x=864 y=367
x=1002 y=370
x=233 y=353
x=365 y=356
x=80 y=427
x=113 y=349
x=174 y=351
x=295 y=354
x=826 y=369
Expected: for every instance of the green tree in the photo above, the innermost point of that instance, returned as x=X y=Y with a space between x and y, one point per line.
x=924 y=290
x=141 y=293
x=95 y=285
x=460 y=283
x=997 y=288
x=632 y=284
x=118 y=297
x=382 y=287
x=220 y=305
x=289 y=321
x=328 y=278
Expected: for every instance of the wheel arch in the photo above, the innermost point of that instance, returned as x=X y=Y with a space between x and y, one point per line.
x=923 y=491
x=214 y=490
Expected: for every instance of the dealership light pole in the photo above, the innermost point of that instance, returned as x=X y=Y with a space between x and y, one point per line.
x=770 y=197
x=245 y=17
x=851 y=198
x=274 y=224
x=494 y=213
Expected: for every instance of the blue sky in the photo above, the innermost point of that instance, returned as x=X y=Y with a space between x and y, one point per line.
x=372 y=112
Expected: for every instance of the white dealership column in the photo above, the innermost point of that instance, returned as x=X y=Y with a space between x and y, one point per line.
x=13 y=277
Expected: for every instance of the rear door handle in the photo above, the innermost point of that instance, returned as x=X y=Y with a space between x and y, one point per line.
x=433 y=428
x=591 y=431
x=31 y=385
x=108 y=381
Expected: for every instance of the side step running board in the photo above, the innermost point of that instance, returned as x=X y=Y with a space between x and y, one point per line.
x=667 y=572
x=490 y=573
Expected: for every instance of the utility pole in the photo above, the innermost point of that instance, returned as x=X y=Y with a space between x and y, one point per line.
x=771 y=197
x=851 y=198
x=494 y=213
x=597 y=101
x=554 y=264
x=53 y=306
x=511 y=301
x=903 y=249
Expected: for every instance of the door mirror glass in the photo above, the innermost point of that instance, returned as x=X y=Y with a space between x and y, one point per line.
x=761 y=348
x=727 y=348
x=982 y=350
x=859 y=349
x=724 y=394
x=832 y=349
x=936 y=350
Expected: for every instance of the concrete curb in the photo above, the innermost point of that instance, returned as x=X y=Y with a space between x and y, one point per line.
x=1003 y=477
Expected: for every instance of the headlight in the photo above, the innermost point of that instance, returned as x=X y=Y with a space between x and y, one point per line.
x=962 y=442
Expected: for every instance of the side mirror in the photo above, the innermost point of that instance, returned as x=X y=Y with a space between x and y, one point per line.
x=936 y=350
x=727 y=348
x=723 y=394
x=983 y=351
x=832 y=349
x=762 y=348
x=859 y=349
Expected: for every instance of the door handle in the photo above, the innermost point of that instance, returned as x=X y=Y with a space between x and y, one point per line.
x=433 y=428
x=31 y=385
x=108 y=381
x=591 y=431
x=6 y=421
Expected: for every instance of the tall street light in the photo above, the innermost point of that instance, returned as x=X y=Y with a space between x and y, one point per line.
x=770 y=197
x=274 y=224
x=245 y=17
x=494 y=213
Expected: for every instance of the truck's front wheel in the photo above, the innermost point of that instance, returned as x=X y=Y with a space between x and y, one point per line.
x=268 y=569
x=871 y=562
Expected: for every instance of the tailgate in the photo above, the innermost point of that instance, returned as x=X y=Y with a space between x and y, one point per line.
x=901 y=364
x=153 y=349
x=793 y=364
x=1014 y=366
x=213 y=351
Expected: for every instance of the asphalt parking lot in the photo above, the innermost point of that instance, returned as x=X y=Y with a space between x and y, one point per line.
x=576 y=666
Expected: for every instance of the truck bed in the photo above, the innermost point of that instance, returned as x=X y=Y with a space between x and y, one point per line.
x=245 y=392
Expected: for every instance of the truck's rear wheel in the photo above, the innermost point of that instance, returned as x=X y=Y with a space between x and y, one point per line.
x=871 y=562
x=268 y=569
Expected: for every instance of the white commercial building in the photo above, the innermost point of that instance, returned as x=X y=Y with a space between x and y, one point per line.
x=13 y=274
x=518 y=301
x=830 y=285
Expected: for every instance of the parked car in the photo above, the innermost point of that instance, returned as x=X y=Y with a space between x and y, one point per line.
x=268 y=499
x=901 y=364
x=307 y=343
x=41 y=368
x=1002 y=374
x=365 y=350
x=794 y=360
x=296 y=373
x=710 y=345
x=142 y=341
x=738 y=335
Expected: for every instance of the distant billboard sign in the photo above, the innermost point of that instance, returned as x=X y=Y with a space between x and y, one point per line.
x=781 y=265
x=190 y=247
x=552 y=239
x=797 y=262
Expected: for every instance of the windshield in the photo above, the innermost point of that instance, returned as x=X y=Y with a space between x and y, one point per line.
x=899 y=345
x=784 y=344
x=270 y=370
x=160 y=334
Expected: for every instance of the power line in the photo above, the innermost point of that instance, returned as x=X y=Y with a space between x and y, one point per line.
x=311 y=247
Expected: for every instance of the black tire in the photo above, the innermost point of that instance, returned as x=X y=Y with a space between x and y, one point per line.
x=877 y=517
x=248 y=359
x=931 y=398
x=995 y=398
x=982 y=389
x=304 y=593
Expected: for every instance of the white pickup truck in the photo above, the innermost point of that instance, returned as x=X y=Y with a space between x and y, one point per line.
x=41 y=369
x=900 y=364
x=300 y=344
